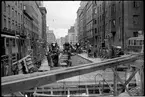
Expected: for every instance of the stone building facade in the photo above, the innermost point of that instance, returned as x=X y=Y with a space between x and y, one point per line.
x=13 y=35
x=117 y=21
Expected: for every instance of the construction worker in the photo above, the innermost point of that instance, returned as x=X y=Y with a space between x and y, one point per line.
x=54 y=52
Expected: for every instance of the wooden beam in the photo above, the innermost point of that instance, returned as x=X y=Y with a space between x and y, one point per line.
x=119 y=79
x=142 y=81
x=23 y=82
x=131 y=76
x=115 y=81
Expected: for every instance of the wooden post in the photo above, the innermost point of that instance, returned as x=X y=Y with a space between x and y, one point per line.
x=68 y=91
x=142 y=81
x=117 y=76
x=51 y=91
x=87 y=91
x=115 y=82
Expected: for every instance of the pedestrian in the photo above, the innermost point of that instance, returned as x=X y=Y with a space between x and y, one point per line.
x=49 y=60
x=23 y=68
x=95 y=53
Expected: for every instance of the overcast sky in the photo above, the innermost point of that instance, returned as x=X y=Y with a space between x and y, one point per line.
x=61 y=15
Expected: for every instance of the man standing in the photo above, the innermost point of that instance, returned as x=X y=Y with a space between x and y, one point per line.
x=49 y=60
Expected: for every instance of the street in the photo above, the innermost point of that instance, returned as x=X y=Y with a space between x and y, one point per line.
x=90 y=77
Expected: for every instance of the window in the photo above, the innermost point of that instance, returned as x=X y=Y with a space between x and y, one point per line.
x=12 y=12
x=9 y=25
x=19 y=27
x=134 y=42
x=140 y=42
x=95 y=30
x=95 y=21
x=129 y=42
x=135 y=34
x=100 y=8
x=18 y=4
x=9 y=9
x=4 y=22
x=4 y=6
x=135 y=19
x=16 y=25
x=119 y=6
x=14 y=42
x=12 y=25
x=135 y=4
x=21 y=18
x=95 y=10
x=16 y=14
x=137 y=42
x=113 y=8
x=114 y=22
x=15 y=2
x=21 y=6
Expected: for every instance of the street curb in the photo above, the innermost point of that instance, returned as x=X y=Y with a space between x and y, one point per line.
x=84 y=58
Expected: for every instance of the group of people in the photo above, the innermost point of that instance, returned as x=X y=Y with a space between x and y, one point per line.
x=53 y=52
x=105 y=52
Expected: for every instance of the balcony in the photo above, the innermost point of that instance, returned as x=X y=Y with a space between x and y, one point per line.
x=8 y=31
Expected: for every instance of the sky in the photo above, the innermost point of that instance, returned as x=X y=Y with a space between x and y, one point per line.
x=61 y=16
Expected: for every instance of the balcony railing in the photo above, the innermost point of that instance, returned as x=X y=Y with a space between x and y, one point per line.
x=8 y=31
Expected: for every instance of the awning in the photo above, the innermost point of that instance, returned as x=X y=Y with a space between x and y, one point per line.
x=8 y=36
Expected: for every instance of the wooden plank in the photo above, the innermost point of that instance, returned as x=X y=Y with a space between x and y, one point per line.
x=142 y=81
x=119 y=79
x=131 y=76
x=23 y=82
x=115 y=81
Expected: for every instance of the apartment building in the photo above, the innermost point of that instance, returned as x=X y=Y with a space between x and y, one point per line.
x=13 y=37
x=123 y=20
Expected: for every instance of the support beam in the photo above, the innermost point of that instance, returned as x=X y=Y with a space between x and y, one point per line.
x=142 y=81
x=115 y=81
x=87 y=91
x=51 y=91
x=119 y=79
x=131 y=76
x=68 y=91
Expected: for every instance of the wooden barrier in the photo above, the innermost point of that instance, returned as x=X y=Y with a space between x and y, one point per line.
x=23 y=82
